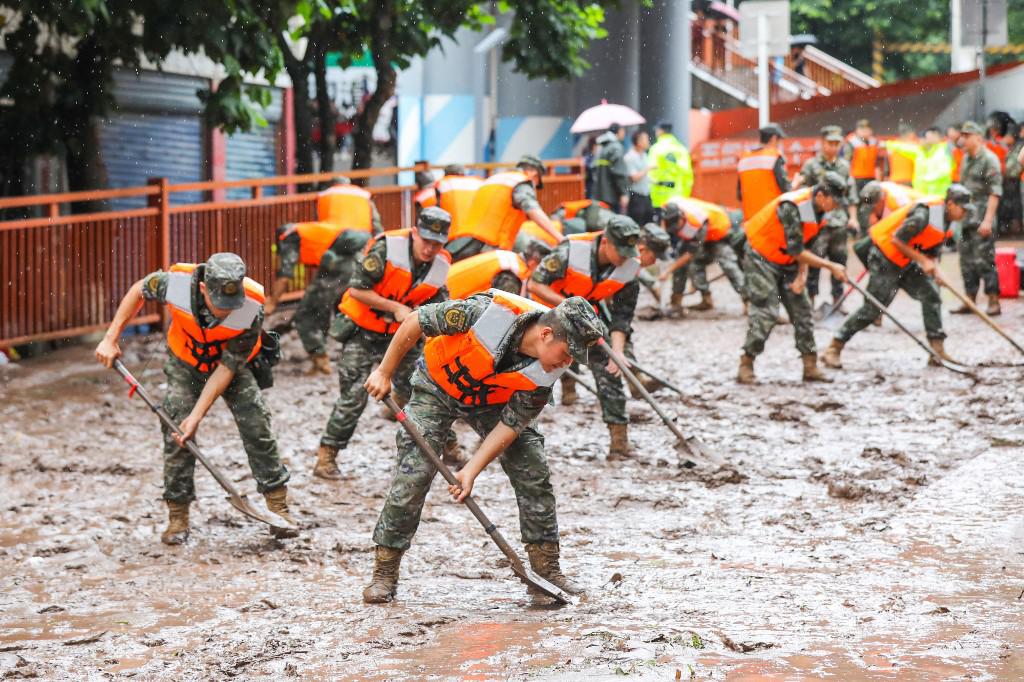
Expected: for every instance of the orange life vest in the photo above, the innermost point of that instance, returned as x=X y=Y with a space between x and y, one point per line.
x=571 y=208
x=346 y=205
x=540 y=234
x=476 y=273
x=492 y=219
x=198 y=346
x=758 y=186
x=456 y=194
x=697 y=213
x=463 y=365
x=958 y=159
x=1000 y=151
x=901 y=168
x=426 y=197
x=578 y=279
x=864 y=160
x=932 y=235
x=396 y=284
x=896 y=197
x=314 y=239
x=765 y=232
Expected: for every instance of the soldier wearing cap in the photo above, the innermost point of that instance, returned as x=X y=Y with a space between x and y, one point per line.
x=777 y=247
x=878 y=199
x=904 y=255
x=215 y=333
x=500 y=207
x=602 y=267
x=400 y=271
x=832 y=242
x=761 y=172
x=454 y=193
x=981 y=175
x=491 y=361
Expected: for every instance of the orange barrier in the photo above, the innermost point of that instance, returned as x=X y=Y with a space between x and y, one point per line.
x=64 y=274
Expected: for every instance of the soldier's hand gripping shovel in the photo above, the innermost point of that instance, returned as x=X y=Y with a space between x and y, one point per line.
x=237 y=499
x=985 y=318
x=518 y=567
x=698 y=452
x=951 y=366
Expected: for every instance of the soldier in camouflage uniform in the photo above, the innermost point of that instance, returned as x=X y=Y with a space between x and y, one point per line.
x=217 y=317
x=831 y=242
x=487 y=386
x=915 y=270
x=774 y=277
x=981 y=175
x=591 y=218
x=363 y=346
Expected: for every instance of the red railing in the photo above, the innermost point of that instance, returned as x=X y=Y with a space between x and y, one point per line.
x=63 y=275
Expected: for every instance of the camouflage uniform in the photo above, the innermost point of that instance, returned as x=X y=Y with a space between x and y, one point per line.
x=767 y=285
x=704 y=254
x=831 y=241
x=524 y=198
x=364 y=349
x=617 y=316
x=887 y=279
x=243 y=398
x=982 y=176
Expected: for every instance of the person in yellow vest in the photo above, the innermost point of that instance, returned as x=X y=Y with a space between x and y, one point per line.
x=865 y=155
x=671 y=167
x=933 y=165
x=603 y=267
x=489 y=360
x=456 y=191
x=903 y=255
x=880 y=198
x=761 y=172
x=502 y=270
x=399 y=271
x=500 y=207
x=214 y=346
x=778 y=238
x=702 y=233
x=331 y=248
x=902 y=153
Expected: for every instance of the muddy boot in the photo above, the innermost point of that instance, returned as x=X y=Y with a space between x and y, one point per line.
x=940 y=349
x=811 y=371
x=568 y=391
x=277 y=502
x=544 y=562
x=384 y=584
x=176 y=532
x=675 y=306
x=326 y=465
x=705 y=302
x=746 y=308
x=321 y=365
x=618 y=445
x=963 y=309
x=746 y=373
x=878 y=320
x=830 y=358
x=993 y=308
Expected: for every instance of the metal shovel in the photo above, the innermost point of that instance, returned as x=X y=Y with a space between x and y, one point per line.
x=237 y=499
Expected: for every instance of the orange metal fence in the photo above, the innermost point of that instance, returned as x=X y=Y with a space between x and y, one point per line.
x=63 y=275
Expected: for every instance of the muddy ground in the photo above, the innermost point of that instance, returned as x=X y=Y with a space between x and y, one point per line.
x=874 y=532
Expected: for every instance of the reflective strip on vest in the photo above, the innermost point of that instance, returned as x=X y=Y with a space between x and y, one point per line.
x=427 y=196
x=492 y=219
x=933 y=234
x=361 y=217
x=579 y=262
x=766 y=234
x=179 y=295
x=398 y=256
x=757 y=162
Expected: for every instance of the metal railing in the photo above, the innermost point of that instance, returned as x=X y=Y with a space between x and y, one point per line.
x=829 y=72
x=63 y=274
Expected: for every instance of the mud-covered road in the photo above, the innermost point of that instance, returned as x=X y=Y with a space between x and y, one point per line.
x=875 y=530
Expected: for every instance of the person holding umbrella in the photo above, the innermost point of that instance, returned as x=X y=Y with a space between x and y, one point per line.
x=611 y=179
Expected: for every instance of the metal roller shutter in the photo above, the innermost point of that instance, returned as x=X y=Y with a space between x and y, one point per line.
x=254 y=154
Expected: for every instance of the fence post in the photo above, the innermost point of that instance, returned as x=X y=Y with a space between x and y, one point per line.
x=161 y=200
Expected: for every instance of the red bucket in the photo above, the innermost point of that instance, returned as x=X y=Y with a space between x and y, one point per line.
x=1009 y=272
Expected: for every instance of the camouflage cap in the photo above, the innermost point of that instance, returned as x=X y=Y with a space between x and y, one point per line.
x=623 y=232
x=832 y=133
x=531 y=161
x=971 y=128
x=671 y=213
x=655 y=238
x=454 y=169
x=863 y=123
x=583 y=328
x=832 y=183
x=433 y=224
x=223 y=276
x=871 y=193
x=770 y=129
x=958 y=194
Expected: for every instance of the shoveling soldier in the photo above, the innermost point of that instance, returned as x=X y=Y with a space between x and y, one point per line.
x=348 y=218
x=903 y=255
x=502 y=270
x=400 y=271
x=777 y=245
x=878 y=199
x=489 y=360
x=216 y=321
x=603 y=267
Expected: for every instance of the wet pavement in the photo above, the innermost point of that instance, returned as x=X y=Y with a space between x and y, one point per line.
x=867 y=529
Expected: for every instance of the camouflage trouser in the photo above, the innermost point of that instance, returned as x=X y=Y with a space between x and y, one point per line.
x=359 y=356
x=609 y=386
x=523 y=462
x=978 y=263
x=864 y=219
x=767 y=287
x=886 y=279
x=316 y=309
x=707 y=254
x=184 y=384
x=830 y=244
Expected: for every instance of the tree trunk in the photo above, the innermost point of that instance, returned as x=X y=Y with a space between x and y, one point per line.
x=299 y=72
x=325 y=113
x=90 y=74
x=366 y=119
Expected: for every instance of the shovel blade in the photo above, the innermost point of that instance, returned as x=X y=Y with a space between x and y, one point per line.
x=537 y=582
x=243 y=505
